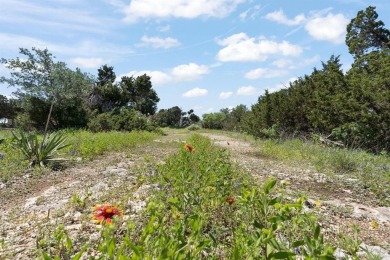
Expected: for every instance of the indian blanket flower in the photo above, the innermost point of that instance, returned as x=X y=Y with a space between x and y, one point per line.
x=189 y=148
x=230 y=200
x=105 y=213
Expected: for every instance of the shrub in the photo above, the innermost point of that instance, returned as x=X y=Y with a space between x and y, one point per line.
x=126 y=119
x=194 y=127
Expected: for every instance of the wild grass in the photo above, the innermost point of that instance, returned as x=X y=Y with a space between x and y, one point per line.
x=83 y=144
x=372 y=170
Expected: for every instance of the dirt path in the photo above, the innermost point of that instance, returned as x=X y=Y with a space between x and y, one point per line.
x=340 y=206
x=33 y=206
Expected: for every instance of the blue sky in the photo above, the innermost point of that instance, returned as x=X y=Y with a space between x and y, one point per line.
x=201 y=54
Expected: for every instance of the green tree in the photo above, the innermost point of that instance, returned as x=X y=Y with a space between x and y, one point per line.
x=139 y=94
x=365 y=33
x=106 y=95
x=329 y=102
x=8 y=107
x=38 y=76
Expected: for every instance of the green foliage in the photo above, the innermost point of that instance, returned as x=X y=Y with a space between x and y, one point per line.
x=372 y=171
x=213 y=120
x=8 y=107
x=205 y=208
x=126 y=120
x=175 y=117
x=365 y=33
x=39 y=152
x=194 y=127
x=89 y=145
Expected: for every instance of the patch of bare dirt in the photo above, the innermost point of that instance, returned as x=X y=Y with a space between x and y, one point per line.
x=341 y=206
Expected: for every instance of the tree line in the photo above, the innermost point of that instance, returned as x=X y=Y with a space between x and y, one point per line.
x=48 y=91
x=352 y=107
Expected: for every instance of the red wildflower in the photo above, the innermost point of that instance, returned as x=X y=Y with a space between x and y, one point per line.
x=189 y=148
x=105 y=213
x=230 y=200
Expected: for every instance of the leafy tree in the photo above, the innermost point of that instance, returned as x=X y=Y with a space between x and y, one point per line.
x=214 y=120
x=365 y=33
x=139 y=94
x=39 y=77
x=8 y=107
x=106 y=95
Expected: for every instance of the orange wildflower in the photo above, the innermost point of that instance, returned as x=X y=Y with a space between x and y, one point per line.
x=189 y=148
x=105 y=213
x=230 y=200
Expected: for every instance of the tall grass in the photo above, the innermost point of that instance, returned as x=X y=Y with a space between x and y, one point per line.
x=373 y=171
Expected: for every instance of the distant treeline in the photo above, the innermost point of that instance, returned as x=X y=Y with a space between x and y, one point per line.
x=352 y=107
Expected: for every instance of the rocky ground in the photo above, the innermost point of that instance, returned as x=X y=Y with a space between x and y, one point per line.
x=33 y=205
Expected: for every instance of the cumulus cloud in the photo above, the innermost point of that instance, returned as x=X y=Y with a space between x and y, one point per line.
x=265 y=73
x=240 y=47
x=189 y=71
x=146 y=9
x=280 y=17
x=247 y=91
x=160 y=43
x=225 y=95
x=196 y=92
x=88 y=63
x=158 y=78
x=328 y=28
x=321 y=25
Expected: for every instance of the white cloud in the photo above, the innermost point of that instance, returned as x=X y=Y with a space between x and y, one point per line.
x=158 y=78
x=250 y=13
x=146 y=9
x=196 y=92
x=160 y=43
x=88 y=63
x=280 y=17
x=331 y=27
x=240 y=47
x=282 y=63
x=189 y=71
x=225 y=95
x=247 y=91
x=165 y=28
x=265 y=73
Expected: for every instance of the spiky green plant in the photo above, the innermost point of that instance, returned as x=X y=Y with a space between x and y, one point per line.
x=39 y=152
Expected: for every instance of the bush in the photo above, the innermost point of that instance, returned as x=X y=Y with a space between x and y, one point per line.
x=194 y=127
x=125 y=120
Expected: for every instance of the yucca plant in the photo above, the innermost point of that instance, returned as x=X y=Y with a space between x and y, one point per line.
x=36 y=151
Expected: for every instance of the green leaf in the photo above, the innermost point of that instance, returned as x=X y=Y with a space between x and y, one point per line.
x=281 y=255
x=258 y=224
x=269 y=185
x=298 y=243
x=317 y=232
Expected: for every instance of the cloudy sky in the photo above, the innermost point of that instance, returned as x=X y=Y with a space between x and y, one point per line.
x=201 y=54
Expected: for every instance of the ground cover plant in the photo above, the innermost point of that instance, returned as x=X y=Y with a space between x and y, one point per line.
x=203 y=208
